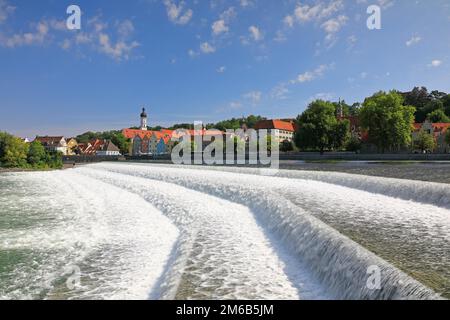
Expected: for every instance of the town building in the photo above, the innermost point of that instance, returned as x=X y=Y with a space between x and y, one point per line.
x=98 y=147
x=439 y=132
x=108 y=149
x=53 y=143
x=72 y=146
x=148 y=142
x=144 y=120
x=283 y=130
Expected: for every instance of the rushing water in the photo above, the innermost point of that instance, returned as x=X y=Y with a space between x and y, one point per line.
x=164 y=232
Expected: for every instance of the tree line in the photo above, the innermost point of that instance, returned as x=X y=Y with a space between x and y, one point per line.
x=16 y=153
x=386 y=117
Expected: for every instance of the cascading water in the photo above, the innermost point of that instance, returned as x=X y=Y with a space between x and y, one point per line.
x=229 y=233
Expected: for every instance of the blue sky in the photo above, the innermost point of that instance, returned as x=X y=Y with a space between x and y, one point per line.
x=207 y=60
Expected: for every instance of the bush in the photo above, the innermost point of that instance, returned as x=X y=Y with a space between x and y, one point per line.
x=15 y=153
x=354 y=145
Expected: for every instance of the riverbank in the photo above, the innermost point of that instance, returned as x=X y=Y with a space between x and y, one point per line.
x=11 y=170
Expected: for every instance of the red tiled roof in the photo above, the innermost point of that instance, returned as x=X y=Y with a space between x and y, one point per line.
x=275 y=124
x=440 y=126
x=165 y=133
x=49 y=140
x=437 y=127
x=132 y=133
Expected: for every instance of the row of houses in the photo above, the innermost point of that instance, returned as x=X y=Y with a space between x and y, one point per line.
x=437 y=130
x=147 y=142
x=70 y=146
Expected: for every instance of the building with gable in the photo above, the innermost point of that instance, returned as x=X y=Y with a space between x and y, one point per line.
x=439 y=132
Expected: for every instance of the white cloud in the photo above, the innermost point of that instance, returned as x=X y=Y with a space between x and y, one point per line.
x=119 y=50
x=382 y=3
x=280 y=36
x=289 y=21
x=321 y=14
x=125 y=28
x=206 y=48
x=253 y=96
x=247 y=3
x=414 y=40
x=235 y=105
x=219 y=27
x=228 y=14
x=192 y=53
x=255 y=33
x=113 y=42
x=177 y=13
x=334 y=25
x=309 y=76
x=5 y=10
x=221 y=69
x=37 y=36
x=317 y=12
x=280 y=91
x=435 y=63
x=351 y=41
x=326 y=96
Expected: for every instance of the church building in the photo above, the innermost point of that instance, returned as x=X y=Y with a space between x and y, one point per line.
x=148 y=142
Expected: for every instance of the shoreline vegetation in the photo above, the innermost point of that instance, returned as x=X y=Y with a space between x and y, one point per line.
x=384 y=123
x=18 y=154
x=23 y=170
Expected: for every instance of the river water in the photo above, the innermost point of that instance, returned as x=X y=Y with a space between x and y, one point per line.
x=141 y=231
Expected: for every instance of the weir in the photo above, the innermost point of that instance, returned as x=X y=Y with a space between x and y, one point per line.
x=341 y=264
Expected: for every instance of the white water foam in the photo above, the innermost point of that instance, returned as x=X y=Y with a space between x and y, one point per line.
x=226 y=254
x=339 y=262
x=120 y=242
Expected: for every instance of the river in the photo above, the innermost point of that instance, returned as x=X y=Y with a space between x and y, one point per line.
x=143 y=231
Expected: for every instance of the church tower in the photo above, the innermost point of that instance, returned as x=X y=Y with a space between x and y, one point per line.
x=143 y=120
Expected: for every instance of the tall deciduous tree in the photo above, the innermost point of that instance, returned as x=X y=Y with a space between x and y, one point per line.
x=36 y=154
x=13 y=151
x=387 y=121
x=438 y=116
x=320 y=129
x=425 y=141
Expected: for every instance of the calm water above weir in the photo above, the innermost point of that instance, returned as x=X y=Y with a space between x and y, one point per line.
x=141 y=231
x=424 y=171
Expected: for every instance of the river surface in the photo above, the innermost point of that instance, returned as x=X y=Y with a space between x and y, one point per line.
x=142 y=231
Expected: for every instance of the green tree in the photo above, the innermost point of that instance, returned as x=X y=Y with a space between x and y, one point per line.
x=387 y=121
x=319 y=128
x=37 y=155
x=447 y=137
x=446 y=103
x=419 y=98
x=54 y=160
x=354 y=145
x=13 y=151
x=438 y=116
x=341 y=134
x=425 y=142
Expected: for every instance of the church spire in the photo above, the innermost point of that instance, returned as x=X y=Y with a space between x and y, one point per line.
x=143 y=120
